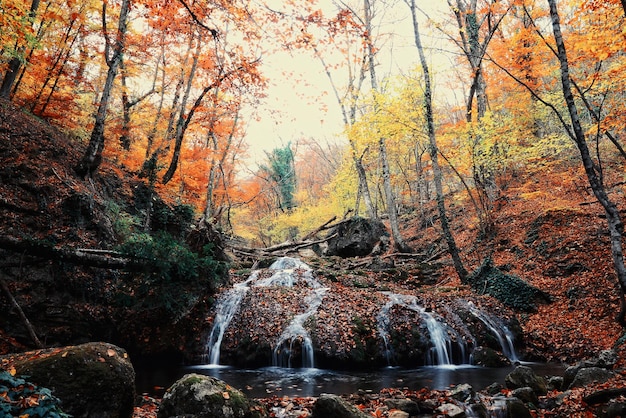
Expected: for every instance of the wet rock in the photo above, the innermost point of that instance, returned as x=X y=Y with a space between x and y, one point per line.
x=515 y=408
x=526 y=395
x=587 y=375
x=405 y=405
x=488 y=357
x=200 y=396
x=494 y=388
x=93 y=380
x=615 y=410
x=335 y=406
x=463 y=392
x=605 y=360
x=451 y=410
x=523 y=376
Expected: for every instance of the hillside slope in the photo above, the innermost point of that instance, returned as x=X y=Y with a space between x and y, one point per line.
x=548 y=230
x=59 y=236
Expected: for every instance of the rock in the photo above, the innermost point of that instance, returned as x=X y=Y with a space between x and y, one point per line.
x=569 y=375
x=606 y=360
x=334 y=406
x=523 y=376
x=616 y=410
x=588 y=375
x=494 y=388
x=463 y=392
x=515 y=408
x=405 y=405
x=526 y=395
x=399 y=414
x=94 y=380
x=451 y=410
x=201 y=396
x=357 y=237
x=554 y=383
x=488 y=357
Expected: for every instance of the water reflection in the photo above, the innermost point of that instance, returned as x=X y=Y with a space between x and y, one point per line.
x=270 y=381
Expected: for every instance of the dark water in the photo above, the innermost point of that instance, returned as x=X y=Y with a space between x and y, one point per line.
x=270 y=381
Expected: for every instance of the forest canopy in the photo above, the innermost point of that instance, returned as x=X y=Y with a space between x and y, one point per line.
x=162 y=90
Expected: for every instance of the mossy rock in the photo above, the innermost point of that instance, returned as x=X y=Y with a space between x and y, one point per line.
x=95 y=380
x=201 y=396
x=507 y=288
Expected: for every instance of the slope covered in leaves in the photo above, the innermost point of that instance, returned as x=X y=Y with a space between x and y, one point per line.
x=550 y=231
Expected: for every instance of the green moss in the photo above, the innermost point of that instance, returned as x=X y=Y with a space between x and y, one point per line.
x=507 y=288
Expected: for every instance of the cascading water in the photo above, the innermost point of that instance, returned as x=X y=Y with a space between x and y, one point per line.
x=283 y=274
x=502 y=333
x=227 y=307
x=295 y=333
x=443 y=347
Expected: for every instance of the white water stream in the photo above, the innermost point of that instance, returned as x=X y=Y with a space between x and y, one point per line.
x=284 y=274
x=442 y=348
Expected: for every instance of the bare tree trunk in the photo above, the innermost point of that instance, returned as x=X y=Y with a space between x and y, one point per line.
x=93 y=155
x=433 y=150
x=616 y=227
x=392 y=210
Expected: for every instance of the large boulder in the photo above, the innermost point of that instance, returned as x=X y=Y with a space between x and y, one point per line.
x=357 y=237
x=588 y=375
x=93 y=380
x=200 y=396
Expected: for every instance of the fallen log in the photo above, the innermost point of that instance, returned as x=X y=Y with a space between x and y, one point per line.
x=84 y=257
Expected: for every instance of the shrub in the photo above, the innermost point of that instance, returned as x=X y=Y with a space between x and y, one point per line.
x=173 y=275
x=20 y=398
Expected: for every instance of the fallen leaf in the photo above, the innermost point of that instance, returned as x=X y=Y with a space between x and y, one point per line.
x=110 y=352
x=226 y=395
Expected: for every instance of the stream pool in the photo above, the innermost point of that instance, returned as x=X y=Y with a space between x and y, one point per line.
x=277 y=381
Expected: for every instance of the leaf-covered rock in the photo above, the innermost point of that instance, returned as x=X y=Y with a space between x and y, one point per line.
x=94 y=380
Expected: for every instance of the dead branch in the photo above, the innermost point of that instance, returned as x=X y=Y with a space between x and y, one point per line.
x=20 y=312
x=318 y=229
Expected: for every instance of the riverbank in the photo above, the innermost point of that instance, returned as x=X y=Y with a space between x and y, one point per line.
x=592 y=400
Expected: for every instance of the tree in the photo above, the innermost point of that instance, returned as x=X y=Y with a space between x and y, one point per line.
x=594 y=176
x=472 y=25
x=113 y=56
x=392 y=210
x=16 y=62
x=281 y=171
x=434 y=151
x=344 y=34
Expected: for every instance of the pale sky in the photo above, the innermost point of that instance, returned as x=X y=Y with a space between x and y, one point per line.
x=302 y=105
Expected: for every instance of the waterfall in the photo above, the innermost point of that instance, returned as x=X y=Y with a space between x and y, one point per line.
x=443 y=347
x=502 y=333
x=295 y=333
x=227 y=307
x=283 y=274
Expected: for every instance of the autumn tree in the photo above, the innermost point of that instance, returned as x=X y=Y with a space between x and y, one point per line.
x=14 y=11
x=113 y=51
x=433 y=149
x=594 y=175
